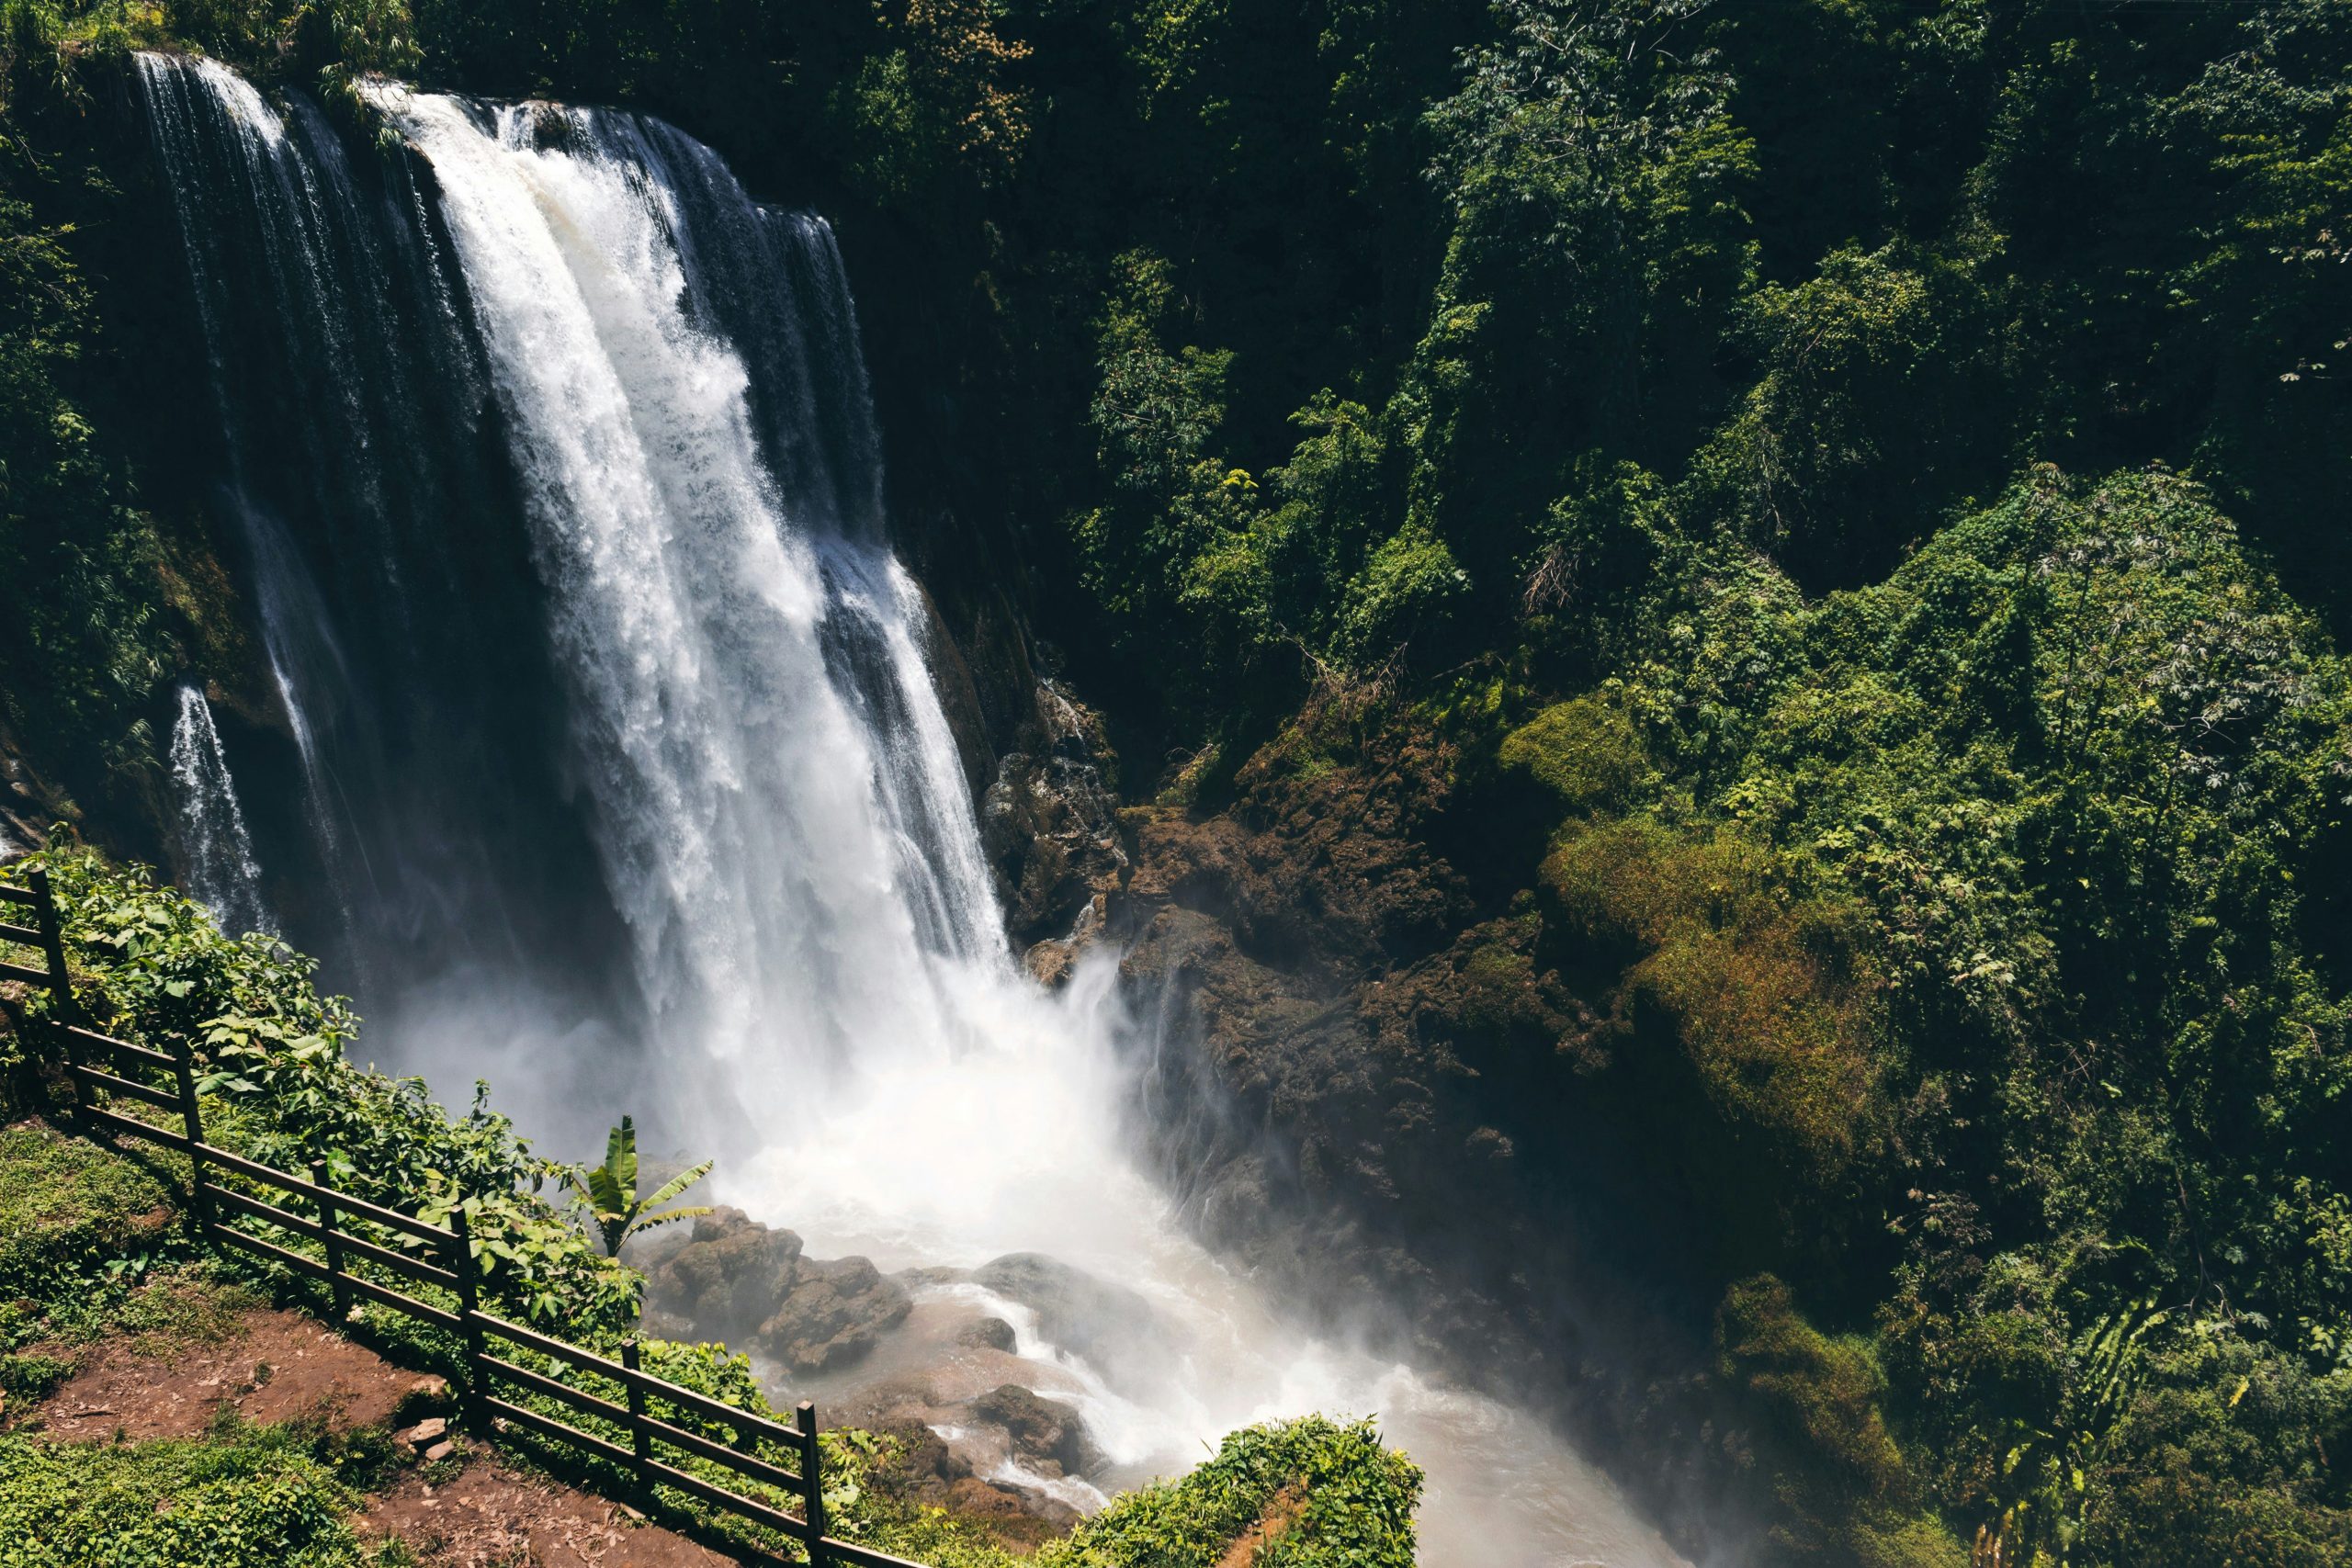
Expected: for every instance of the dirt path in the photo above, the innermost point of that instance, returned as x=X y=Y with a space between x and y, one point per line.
x=1282 y=1511
x=489 y=1515
x=273 y=1366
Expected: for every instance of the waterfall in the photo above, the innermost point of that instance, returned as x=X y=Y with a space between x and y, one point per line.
x=784 y=824
x=217 y=864
x=445 y=867
x=557 y=474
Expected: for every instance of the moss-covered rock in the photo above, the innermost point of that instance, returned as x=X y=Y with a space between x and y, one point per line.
x=1587 y=752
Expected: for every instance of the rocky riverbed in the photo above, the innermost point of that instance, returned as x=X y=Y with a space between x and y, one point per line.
x=980 y=1370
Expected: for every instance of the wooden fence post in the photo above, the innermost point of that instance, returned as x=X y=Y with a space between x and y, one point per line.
x=812 y=1480
x=52 y=946
x=468 y=1323
x=333 y=1238
x=69 y=1054
x=63 y=1009
x=199 y=1200
x=639 y=1438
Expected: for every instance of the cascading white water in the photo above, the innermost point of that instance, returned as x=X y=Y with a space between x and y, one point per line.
x=782 y=825
x=216 y=850
x=754 y=830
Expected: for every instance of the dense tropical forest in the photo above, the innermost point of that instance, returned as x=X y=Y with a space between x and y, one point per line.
x=1754 y=588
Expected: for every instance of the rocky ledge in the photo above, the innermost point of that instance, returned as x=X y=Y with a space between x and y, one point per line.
x=735 y=1279
x=982 y=1373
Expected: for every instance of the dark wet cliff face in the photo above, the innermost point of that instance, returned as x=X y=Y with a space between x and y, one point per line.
x=1375 y=1089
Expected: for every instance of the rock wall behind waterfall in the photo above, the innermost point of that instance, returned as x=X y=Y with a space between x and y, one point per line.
x=1378 y=1086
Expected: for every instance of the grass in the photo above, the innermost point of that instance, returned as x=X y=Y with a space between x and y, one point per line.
x=67 y=1203
x=89 y=1244
x=250 y=1495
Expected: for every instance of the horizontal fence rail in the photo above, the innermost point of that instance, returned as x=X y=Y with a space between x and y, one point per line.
x=331 y=1225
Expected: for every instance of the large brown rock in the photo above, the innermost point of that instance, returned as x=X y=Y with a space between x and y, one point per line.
x=738 y=1280
x=1044 y=1433
x=835 y=1314
x=729 y=1277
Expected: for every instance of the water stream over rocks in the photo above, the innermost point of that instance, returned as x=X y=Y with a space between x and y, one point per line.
x=553 y=459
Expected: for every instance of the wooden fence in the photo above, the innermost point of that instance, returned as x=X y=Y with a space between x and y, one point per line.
x=334 y=1223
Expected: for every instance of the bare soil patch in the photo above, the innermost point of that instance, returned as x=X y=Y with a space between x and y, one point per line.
x=273 y=1366
x=1281 y=1513
x=488 y=1514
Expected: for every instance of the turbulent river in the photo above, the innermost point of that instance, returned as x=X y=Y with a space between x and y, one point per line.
x=616 y=766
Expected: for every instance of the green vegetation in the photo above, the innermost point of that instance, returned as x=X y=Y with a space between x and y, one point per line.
x=255 y=1499
x=90 y=642
x=67 y=1206
x=96 y=1249
x=1308 y=1493
x=1333 y=1494
x=275 y=1085
x=1864 y=477
x=1329 y=1495
x=607 y=1193
x=92 y=1242
x=1996 y=899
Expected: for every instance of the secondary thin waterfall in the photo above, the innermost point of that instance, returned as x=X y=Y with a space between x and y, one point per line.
x=554 y=458
x=216 y=849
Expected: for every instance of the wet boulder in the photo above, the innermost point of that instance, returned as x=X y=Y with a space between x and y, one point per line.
x=1049 y=1435
x=727 y=1277
x=988 y=1333
x=1114 y=1330
x=1017 y=1518
x=834 y=1314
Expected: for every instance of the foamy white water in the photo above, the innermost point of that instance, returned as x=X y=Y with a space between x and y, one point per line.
x=774 y=794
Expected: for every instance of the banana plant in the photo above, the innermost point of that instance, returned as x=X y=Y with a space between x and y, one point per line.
x=608 y=1195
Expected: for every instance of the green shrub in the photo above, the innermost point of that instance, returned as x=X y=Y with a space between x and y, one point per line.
x=256 y=1500
x=1356 y=1507
x=1407 y=587
x=277 y=1086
